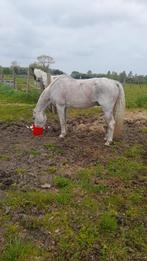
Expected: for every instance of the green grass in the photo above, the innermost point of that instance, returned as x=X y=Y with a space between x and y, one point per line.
x=125 y=168
x=52 y=169
x=15 y=112
x=136 y=96
x=20 y=170
x=108 y=223
x=16 y=250
x=77 y=226
x=62 y=182
x=11 y=95
x=85 y=178
x=39 y=199
x=35 y=153
x=54 y=149
x=134 y=151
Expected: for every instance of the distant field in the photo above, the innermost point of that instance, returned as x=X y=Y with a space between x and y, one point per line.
x=136 y=96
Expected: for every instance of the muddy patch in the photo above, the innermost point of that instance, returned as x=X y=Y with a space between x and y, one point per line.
x=28 y=161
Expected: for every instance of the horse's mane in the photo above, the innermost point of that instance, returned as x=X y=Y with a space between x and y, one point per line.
x=58 y=78
x=39 y=70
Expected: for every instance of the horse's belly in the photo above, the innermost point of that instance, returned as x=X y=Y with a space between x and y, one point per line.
x=81 y=104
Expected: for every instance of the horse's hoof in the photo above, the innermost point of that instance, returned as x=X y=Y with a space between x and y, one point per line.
x=61 y=136
x=107 y=143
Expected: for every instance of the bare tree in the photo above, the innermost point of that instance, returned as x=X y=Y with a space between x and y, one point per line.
x=45 y=61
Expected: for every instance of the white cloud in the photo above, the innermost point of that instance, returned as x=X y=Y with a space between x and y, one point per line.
x=80 y=34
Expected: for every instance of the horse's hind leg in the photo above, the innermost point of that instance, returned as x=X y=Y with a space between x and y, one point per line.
x=110 y=127
x=62 y=118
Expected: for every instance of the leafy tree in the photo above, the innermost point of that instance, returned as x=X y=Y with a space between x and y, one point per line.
x=122 y=77
x=56 y=72
x=89 y=72
x=7 y=70
x=76 y=75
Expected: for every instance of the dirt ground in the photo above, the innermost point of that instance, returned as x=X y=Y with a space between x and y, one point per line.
x=26 y=160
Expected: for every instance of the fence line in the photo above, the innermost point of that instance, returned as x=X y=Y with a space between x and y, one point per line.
x=13 y=81
x=10 y=83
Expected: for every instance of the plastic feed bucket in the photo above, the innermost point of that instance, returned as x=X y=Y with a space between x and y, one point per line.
x=37 y=130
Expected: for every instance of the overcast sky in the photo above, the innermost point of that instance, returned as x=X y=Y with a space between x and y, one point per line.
x=97 y=35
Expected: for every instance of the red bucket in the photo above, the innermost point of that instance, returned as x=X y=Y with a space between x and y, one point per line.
x=37 y=130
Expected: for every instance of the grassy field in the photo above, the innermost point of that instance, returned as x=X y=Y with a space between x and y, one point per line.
x=17 y=105
x=136 y=96
x=95 y=208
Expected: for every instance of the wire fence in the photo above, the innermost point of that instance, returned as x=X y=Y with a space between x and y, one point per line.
x=19 y=82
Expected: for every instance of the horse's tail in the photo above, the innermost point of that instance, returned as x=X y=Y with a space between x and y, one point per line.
x=119 y=109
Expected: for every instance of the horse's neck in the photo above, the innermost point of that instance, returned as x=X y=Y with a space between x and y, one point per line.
x=43 y=101
x=44 y=78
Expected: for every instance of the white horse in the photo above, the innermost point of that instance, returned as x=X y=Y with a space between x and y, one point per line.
x=42 y=77
x=67 y=92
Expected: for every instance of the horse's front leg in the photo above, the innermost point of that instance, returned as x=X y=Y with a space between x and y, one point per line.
x=62 y=118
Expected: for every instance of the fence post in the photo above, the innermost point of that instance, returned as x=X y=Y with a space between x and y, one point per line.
x=28 y=80
x=14 y=79
x=1 y=74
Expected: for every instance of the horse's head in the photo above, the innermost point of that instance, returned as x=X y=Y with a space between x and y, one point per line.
x=41 y=77
x=37 y=75
x=39 y=118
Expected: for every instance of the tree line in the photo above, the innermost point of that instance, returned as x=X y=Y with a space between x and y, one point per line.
x=24 y=70
x=122 y=76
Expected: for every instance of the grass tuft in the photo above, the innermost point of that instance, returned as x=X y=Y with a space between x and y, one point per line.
x=16 y=250
x=53 y=148
x=108 y=223
x=124 y=168
x=62 y=182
